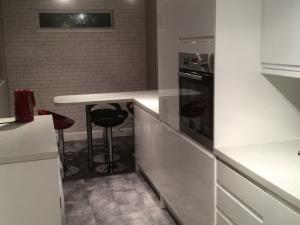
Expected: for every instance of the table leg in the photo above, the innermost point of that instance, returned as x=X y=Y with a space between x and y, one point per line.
x=89 y=135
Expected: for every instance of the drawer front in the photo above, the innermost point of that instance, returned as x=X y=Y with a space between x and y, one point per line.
x=240 y=187
x=234 y=210
x=221 y=220
x=276 y=213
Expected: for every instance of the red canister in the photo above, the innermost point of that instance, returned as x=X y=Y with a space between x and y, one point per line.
x=24 y=103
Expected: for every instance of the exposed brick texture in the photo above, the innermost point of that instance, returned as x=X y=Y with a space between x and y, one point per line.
x=60 y=63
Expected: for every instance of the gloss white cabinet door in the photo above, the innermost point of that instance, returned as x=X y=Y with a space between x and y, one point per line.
x=31 y=193
x=147 y=136
x=181 y=171
x=281 y=35
x=187 y=178
x=277 y=213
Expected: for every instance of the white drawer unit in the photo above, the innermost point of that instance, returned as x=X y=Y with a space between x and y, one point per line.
x=277 y=213
x=241 y=202
x=235 y=210
x=222 y=220
x=243 y=189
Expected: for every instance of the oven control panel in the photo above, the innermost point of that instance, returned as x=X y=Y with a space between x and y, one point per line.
x=197 y=62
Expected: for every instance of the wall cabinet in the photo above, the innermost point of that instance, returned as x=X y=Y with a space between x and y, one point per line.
x=241 y=202
x=280 y=37
x=181 y=171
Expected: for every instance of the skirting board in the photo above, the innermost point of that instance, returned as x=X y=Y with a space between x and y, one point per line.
x=77 y=136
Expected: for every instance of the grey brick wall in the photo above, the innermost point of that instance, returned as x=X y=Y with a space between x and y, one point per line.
x=61 y=63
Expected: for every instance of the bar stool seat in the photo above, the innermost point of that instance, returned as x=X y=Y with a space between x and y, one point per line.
x=60 y=124
x=109 y=118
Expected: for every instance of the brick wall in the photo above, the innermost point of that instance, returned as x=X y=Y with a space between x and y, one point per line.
x=60 y=63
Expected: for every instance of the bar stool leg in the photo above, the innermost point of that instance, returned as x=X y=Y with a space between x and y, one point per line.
x=103 y=157
x=110 y=149
x=71 y=170
x=61 y=147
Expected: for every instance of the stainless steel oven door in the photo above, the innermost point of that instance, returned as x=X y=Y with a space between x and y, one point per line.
x=196 y=106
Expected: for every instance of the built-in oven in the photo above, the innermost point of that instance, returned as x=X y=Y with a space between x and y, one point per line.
x=196 y=96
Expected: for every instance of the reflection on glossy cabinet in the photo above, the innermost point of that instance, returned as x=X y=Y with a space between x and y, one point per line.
x=181 y=171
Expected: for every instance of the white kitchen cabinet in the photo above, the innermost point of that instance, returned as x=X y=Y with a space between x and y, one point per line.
x=241 y=202
x=181 y=171
x=277 y=213
x=242 y=188
x=280 y=37
x=31 y=193
x=30 y=180
x=236 y=210
x=222 y=220
x=147 y=130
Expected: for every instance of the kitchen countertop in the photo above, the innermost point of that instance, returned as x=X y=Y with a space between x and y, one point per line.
x=22 y=142
x=146 y=99
x=276 y=166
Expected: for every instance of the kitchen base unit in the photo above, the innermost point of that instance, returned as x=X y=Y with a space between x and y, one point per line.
x=242 y=202
x=31 y=193
x=31 y=187
x=181 y=171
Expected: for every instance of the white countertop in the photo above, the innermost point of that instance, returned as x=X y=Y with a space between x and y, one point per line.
x=146 y=99
x=21 y=142
x=276 y=166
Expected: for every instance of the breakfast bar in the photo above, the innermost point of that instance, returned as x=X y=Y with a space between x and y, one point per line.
x=146 y=99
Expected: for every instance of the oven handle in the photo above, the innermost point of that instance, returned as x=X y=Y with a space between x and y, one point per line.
x=190 y=76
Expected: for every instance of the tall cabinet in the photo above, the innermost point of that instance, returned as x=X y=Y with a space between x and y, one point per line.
x=177 y=19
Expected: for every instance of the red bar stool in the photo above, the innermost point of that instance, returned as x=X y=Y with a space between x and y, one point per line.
x=60 y=124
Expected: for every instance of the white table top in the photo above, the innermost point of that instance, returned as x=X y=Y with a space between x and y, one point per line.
x=276 y=166
x=146 y=99
x=21 y=142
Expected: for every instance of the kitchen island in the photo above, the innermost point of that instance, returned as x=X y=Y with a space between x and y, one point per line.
x=31 y=188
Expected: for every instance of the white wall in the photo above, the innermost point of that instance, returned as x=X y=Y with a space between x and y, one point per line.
x=248 y=108
x=151 y=44
x=4 y=97
x=4 y=100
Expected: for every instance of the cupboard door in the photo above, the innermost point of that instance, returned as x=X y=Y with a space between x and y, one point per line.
x=143 y=139
x=280 y=32
x=277 y=213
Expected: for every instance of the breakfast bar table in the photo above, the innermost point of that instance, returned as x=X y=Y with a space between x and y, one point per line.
x=146 y=99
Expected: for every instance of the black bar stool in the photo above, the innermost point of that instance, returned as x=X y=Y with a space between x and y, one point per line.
x=109 y=118
x=101 y=158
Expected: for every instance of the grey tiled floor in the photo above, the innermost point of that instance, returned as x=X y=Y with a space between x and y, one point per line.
x=124 y=199
x=116 y=200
